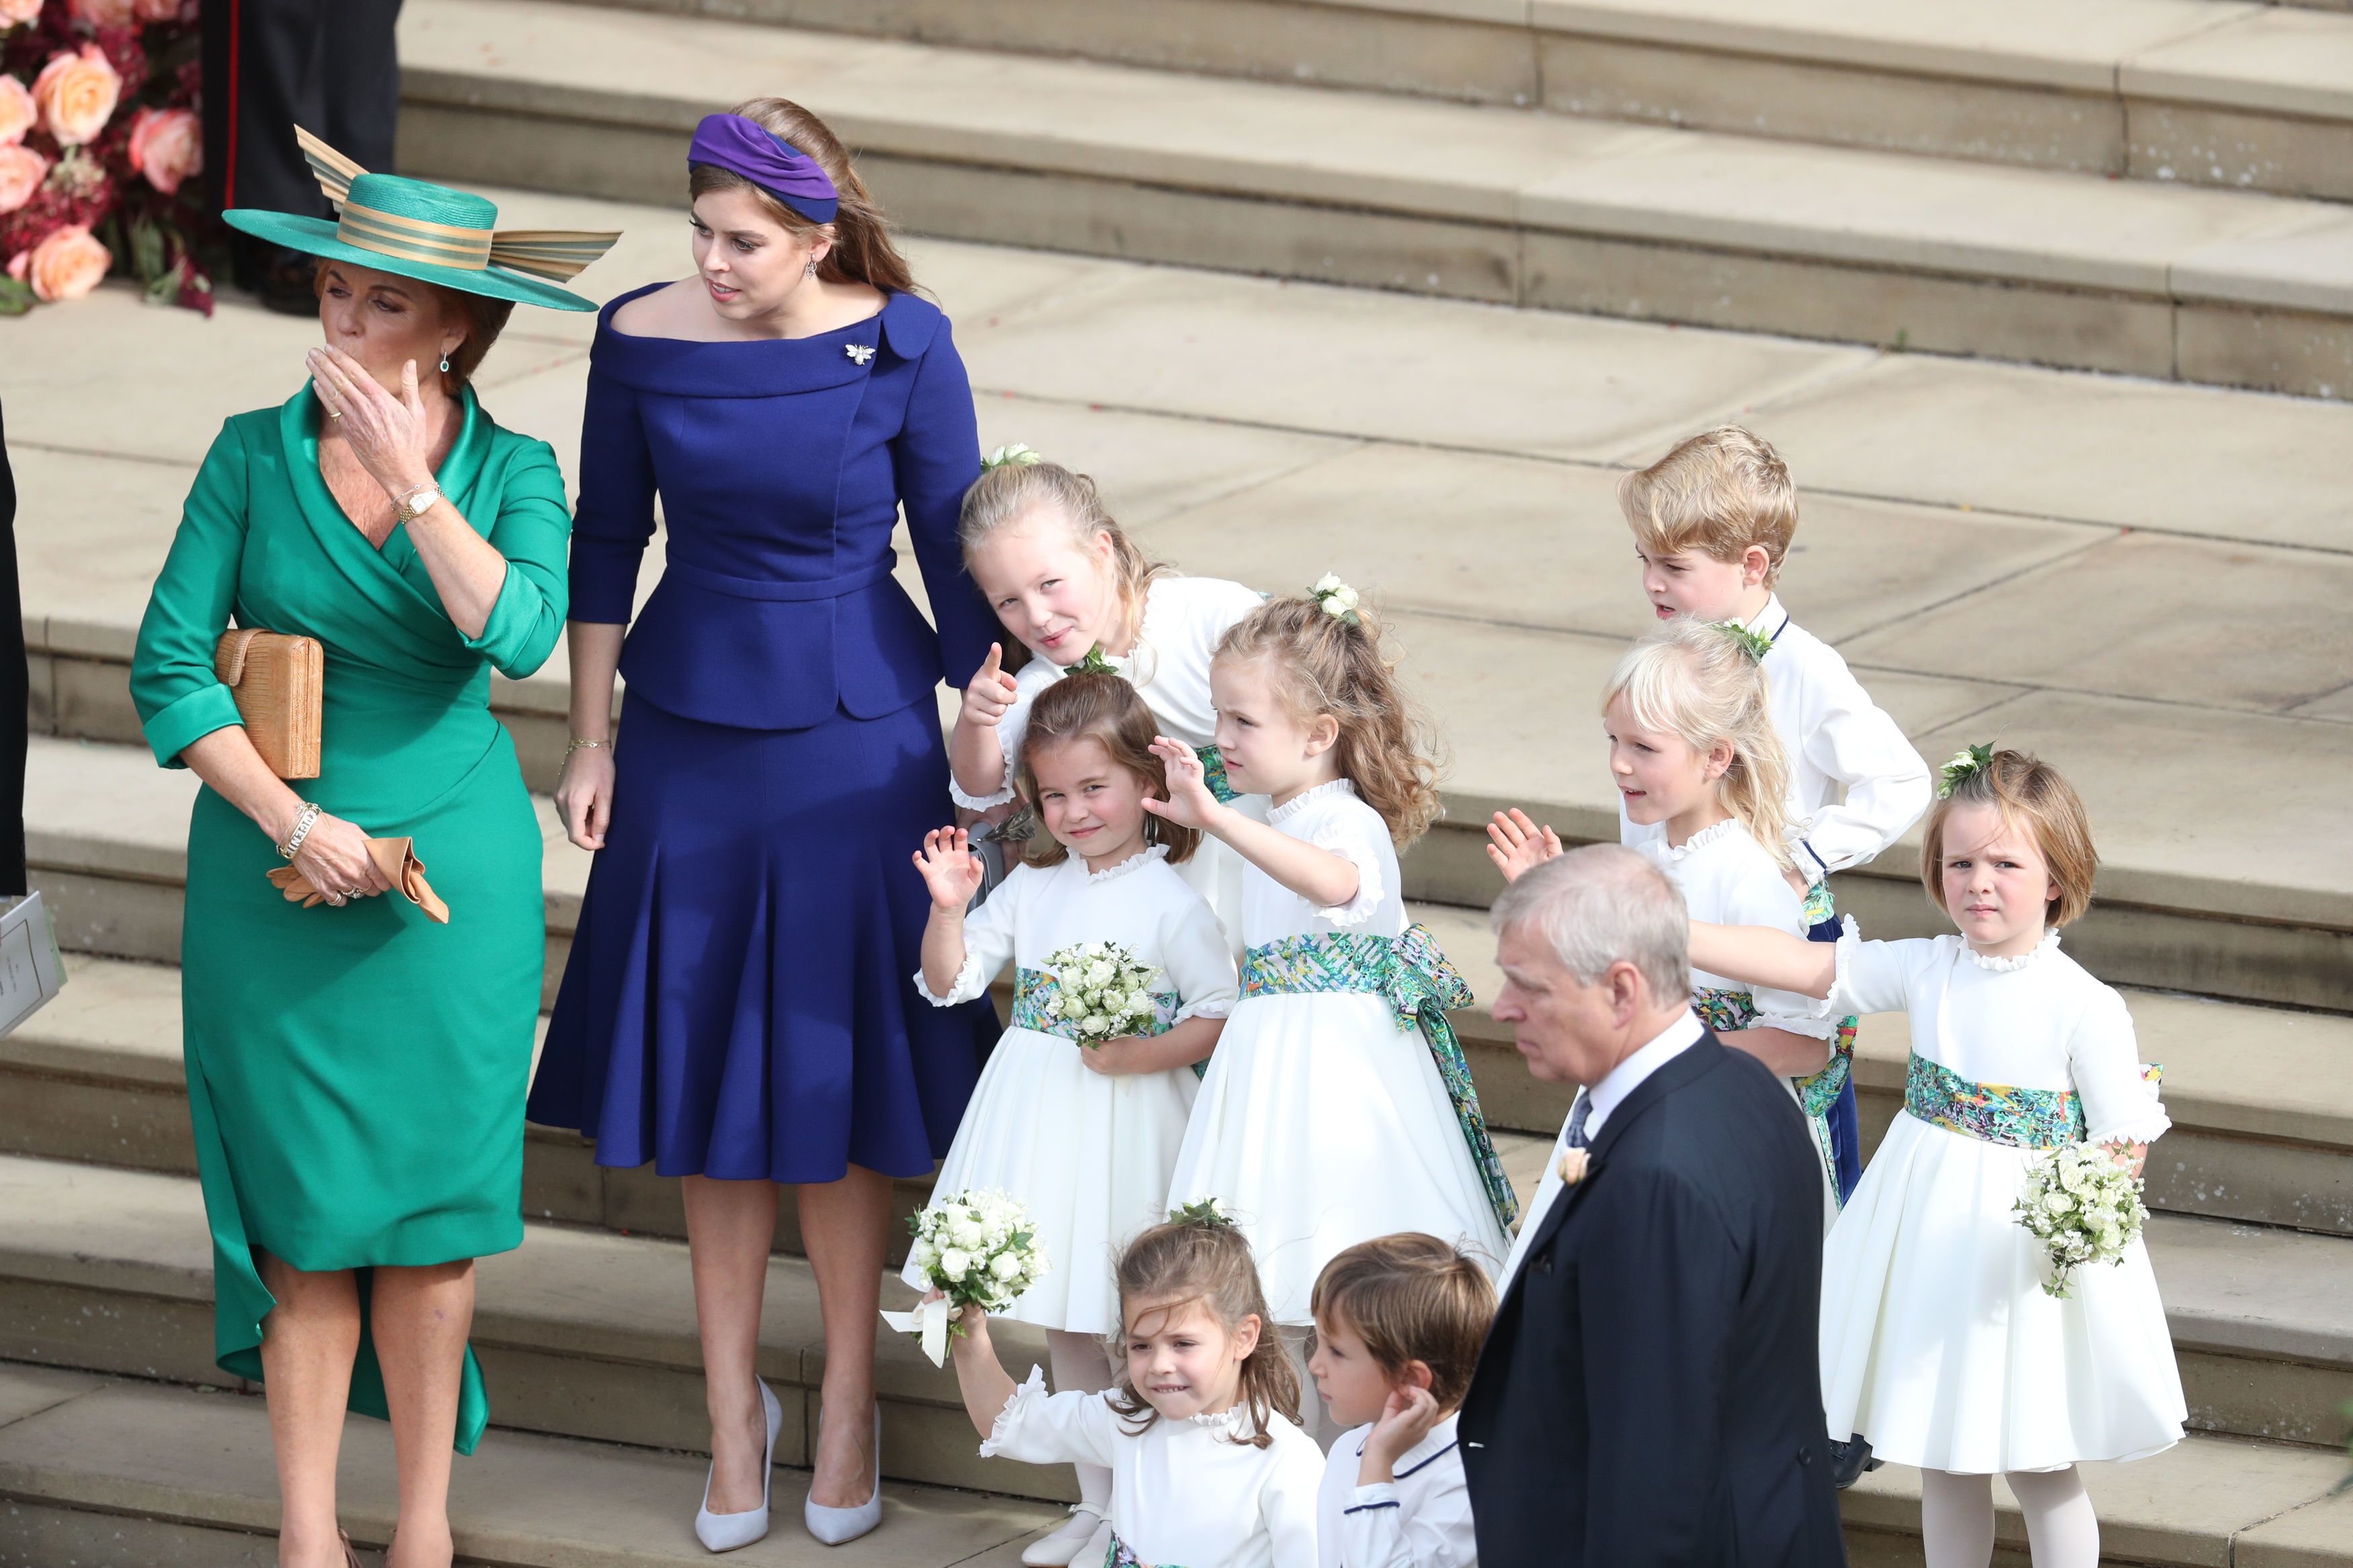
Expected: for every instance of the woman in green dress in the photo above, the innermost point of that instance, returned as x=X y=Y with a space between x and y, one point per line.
x=355 y=1070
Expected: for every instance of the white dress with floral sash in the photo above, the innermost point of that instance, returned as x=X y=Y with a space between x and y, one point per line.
x=1184 y=1494
x=1183 y=619
x=1322 y=1122
x=1938 y=1342
x=1089 y=1155
x=1728 y=878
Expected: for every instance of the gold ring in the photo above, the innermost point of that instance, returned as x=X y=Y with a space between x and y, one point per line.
x=334 y=413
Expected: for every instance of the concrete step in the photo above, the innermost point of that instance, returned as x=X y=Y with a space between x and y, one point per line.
x=590 y=1334
x=102 y=1473
x=2135 y=579
x=2242 y=96
x=2262 y=1100
x=2235 y=287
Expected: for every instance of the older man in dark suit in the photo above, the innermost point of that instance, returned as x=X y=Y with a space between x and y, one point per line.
x=1650 y=1396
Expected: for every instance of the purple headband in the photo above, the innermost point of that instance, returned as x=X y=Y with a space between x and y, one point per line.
x=746 y=147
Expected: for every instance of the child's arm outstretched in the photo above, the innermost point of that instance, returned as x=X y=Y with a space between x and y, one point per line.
x=954 y=875
x=1323 y=879
x=1762 y=956
x=981 y=1378
x=976 y=754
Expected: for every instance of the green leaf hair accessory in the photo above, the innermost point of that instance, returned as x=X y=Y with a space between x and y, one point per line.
x=1015 y=456
x=1097 y=662
x=1207 y=1213
x=1337 y=599
x=1967 y=765
x=1758 y=644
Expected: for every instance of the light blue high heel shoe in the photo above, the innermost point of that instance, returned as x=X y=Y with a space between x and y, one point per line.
x=835 y=1526
x=726 y=1531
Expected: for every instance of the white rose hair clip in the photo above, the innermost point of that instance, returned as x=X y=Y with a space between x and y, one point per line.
x=1015 y=456
x=1337 y=599
x=1967 y=763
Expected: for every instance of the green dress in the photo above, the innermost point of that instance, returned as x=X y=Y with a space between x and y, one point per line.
x=357 y=1075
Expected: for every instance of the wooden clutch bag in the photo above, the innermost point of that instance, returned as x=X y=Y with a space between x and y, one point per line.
x=277 y=681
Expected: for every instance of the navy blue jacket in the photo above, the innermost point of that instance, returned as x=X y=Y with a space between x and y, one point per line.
x=782 y=466
x=1651 y=1393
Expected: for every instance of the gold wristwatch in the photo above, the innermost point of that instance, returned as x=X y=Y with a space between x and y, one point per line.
x=418 y=502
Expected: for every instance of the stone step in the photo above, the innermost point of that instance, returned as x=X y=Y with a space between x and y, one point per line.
x=2262 y=1100
x=117 y=1474
x=2246 y=97
x=102 y=1473
x=2231 y=287
x=590 y=1334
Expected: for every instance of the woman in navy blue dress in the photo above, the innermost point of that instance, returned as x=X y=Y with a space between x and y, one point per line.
x=739 y=1007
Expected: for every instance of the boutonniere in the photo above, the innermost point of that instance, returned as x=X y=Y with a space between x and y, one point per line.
x=1573 y=1165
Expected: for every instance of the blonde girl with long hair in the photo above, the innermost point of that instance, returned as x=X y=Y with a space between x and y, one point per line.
x=1067 y=583
x=1200 y=1436
x=1326 y=1119
x=1694 y=755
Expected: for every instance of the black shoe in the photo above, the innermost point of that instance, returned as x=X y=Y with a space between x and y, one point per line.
x=1849 y=1459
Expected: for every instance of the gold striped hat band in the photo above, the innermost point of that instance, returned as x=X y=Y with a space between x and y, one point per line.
x=555 y=255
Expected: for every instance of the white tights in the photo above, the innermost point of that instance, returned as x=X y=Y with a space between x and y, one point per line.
x=1957 y=1519
x=1080 y=1362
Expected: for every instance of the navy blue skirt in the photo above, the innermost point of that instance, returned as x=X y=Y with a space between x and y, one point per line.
x=740 y=1002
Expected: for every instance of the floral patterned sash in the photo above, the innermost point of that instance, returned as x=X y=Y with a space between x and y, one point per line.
x=1996 y=1112
x=1414 y=977
x=1033 y=987
x=1726 y=1010
x=1122 y=1555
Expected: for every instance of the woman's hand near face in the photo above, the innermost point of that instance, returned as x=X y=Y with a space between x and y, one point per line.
x=391 y=436
x=583 y=795
x=334 y=859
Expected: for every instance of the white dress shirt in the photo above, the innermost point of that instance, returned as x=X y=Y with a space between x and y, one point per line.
x=1856 y=784
x=1607 y=1096
x=1419 y=1519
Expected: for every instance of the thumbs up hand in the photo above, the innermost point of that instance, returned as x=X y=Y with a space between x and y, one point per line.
x=990 y=696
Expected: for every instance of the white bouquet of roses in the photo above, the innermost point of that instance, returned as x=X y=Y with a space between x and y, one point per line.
x=2084 y=1205
x=1103 y=992
x=979 y=1249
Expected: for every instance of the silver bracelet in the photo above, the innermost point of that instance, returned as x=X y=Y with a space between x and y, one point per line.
x=302 y=826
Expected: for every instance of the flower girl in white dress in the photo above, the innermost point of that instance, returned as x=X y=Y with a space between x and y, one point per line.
x=1939 y=1342
x=1693 y=752
x=1084 y=1136
x=1066 y=580
x=1337 y=1108
x=1209 y=1468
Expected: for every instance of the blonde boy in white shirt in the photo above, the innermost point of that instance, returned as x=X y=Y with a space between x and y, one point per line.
x=1398 y=1323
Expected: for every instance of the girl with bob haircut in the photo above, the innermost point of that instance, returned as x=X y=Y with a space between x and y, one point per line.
x=1694 y=755
x=1074 y=591
x=1100 y=872
x=1207 y=1460
x=1323 y=1122
x=1940 y=1344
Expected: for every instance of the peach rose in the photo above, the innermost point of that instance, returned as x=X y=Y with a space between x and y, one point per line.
x=104 y=13
x=14 y=11
x=22 y=170
x=167 y=145
x=77 y=94
x=66 y=265
x=17 y=113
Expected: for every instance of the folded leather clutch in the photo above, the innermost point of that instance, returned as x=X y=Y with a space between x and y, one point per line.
x=277 y=681
x=395 y=861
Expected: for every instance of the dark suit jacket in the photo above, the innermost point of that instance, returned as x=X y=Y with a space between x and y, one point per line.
x=1650 y=1393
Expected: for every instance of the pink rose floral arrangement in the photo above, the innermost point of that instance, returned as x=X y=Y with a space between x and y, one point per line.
x=100 y=145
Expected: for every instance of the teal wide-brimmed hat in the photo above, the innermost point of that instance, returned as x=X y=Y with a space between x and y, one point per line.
x=430 y=233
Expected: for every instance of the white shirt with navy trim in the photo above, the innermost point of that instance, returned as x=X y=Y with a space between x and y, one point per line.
x=1421 y=1519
